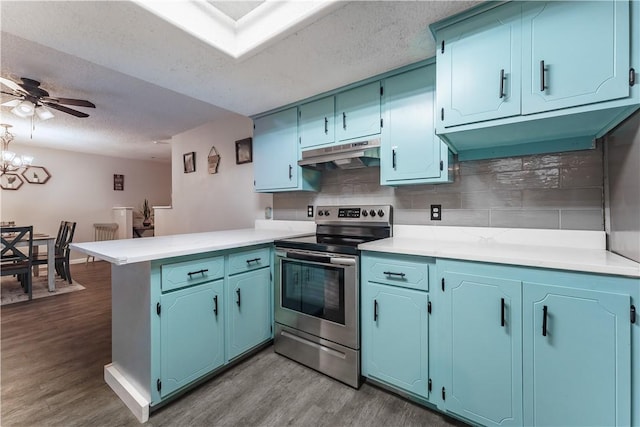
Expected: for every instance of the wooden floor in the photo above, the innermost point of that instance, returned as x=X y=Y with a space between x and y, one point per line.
x=53 y=351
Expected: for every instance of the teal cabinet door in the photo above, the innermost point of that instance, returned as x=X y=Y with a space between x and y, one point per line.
x=577 y=357
x=358 y=112
x=248 y=311
x=482 y=318
x=395 y=327
x=574 y=53
x=275 y=151
x=410 y=151
x=479 y=69
x=191 y=334
x=316 y=126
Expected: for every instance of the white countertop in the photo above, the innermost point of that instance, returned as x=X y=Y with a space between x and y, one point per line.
x=574 y=251
x=128 y=251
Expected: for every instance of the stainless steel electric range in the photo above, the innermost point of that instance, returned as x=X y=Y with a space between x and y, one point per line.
x=317 y=289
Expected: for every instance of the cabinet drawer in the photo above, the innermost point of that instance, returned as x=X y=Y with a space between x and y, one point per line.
x=187 y=273
x=405 y=271
x=249 y=260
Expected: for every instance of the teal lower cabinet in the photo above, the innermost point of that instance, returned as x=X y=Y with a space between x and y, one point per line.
x=482 y=351
x=248 y=310
x=394 y=322
x=536 y=347
x=192 y=334
x=207 y=311
x=577 y=356
x=395 y=328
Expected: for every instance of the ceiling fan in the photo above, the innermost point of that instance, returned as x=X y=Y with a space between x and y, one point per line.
x=31 y=98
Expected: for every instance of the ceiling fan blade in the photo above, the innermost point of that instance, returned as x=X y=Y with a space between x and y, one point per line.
x=12 y=103
x=65 y=109
x=69 y=101
x=11 y=85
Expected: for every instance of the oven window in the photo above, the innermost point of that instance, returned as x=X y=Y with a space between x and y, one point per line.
x=313 y=289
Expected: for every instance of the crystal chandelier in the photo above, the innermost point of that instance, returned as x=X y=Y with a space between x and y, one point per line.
x=10 y=160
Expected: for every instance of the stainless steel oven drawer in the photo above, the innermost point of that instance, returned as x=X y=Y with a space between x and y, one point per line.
x=334 y=360
x=396 y=270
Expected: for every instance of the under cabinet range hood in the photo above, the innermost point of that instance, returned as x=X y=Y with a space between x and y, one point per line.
x=346 y=156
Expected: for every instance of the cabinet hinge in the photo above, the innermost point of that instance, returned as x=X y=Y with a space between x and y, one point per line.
x=632 y=77
x=158 y=308
x=381 y=122
x=299 y=113
x=271 y=276
x=159 y=384
x=429 y=385
x=271 y=328
x=381 y=90
x=443 y=284
x=429 y=307
x=300 y=140
x=444 y=395
x=441 y=165
x=254 y=126
x=442 y=47
x=442 y=114
x=633 y=314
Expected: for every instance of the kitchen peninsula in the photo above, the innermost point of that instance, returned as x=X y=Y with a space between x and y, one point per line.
x=185 y=307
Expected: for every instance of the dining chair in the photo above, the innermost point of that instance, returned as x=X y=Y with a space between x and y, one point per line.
x=103 y=231
x=16 y=258
x=61 y=251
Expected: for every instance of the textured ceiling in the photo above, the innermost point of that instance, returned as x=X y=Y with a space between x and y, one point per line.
x=151 y=80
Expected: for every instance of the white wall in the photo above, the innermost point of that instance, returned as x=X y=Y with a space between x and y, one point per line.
x=81 y=190
x=209 y=202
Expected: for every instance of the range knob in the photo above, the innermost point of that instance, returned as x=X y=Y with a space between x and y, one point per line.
x=364 y=212
x=372 y=213
x=320 y=213
x=327 y=213
x=380 y=213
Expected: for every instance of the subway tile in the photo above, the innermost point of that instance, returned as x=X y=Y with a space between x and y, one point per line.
x=529 y=218
x=411 y=216
x=490 y=166
x=539 y=178
x=491 y=199
x=586 y=176
x=285 y=214
x=579 y=158
x=581 y=219
x=562 y=198
x=464 y=217
x=447 y=200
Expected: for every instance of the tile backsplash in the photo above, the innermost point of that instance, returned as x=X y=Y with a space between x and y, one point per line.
x=556 y=191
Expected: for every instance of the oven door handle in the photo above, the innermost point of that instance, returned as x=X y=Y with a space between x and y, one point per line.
x=321 y=259
x=306 y=257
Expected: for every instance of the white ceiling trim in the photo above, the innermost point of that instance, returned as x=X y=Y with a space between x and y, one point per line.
x=264 y=25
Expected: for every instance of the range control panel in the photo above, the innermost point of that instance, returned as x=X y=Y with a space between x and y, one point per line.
x=365 y=213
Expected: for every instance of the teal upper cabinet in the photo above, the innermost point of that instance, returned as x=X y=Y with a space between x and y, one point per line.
x=276 y=150
x=574 y=55
x=535 y=77
x=410 y=151
x=576 y=343
x=316 y=122
x=482 y=346
x=358 y=112
x=479 y=68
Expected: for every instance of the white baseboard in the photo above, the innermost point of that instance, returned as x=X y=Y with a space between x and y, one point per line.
x=131 y=397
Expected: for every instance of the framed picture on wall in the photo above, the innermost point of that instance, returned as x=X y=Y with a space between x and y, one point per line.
x=189 y=160
x=118 y=182
x=244 y=151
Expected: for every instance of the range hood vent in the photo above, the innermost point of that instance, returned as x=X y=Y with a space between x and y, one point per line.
x=346 y=156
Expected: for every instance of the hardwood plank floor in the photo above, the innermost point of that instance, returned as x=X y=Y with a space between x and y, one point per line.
x=53 y=351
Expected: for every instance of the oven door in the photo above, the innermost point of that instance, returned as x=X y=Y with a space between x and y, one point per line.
x=317 y=293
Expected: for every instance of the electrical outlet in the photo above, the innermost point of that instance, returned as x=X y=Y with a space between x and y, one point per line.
x=436 y=212
x=310 y=211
